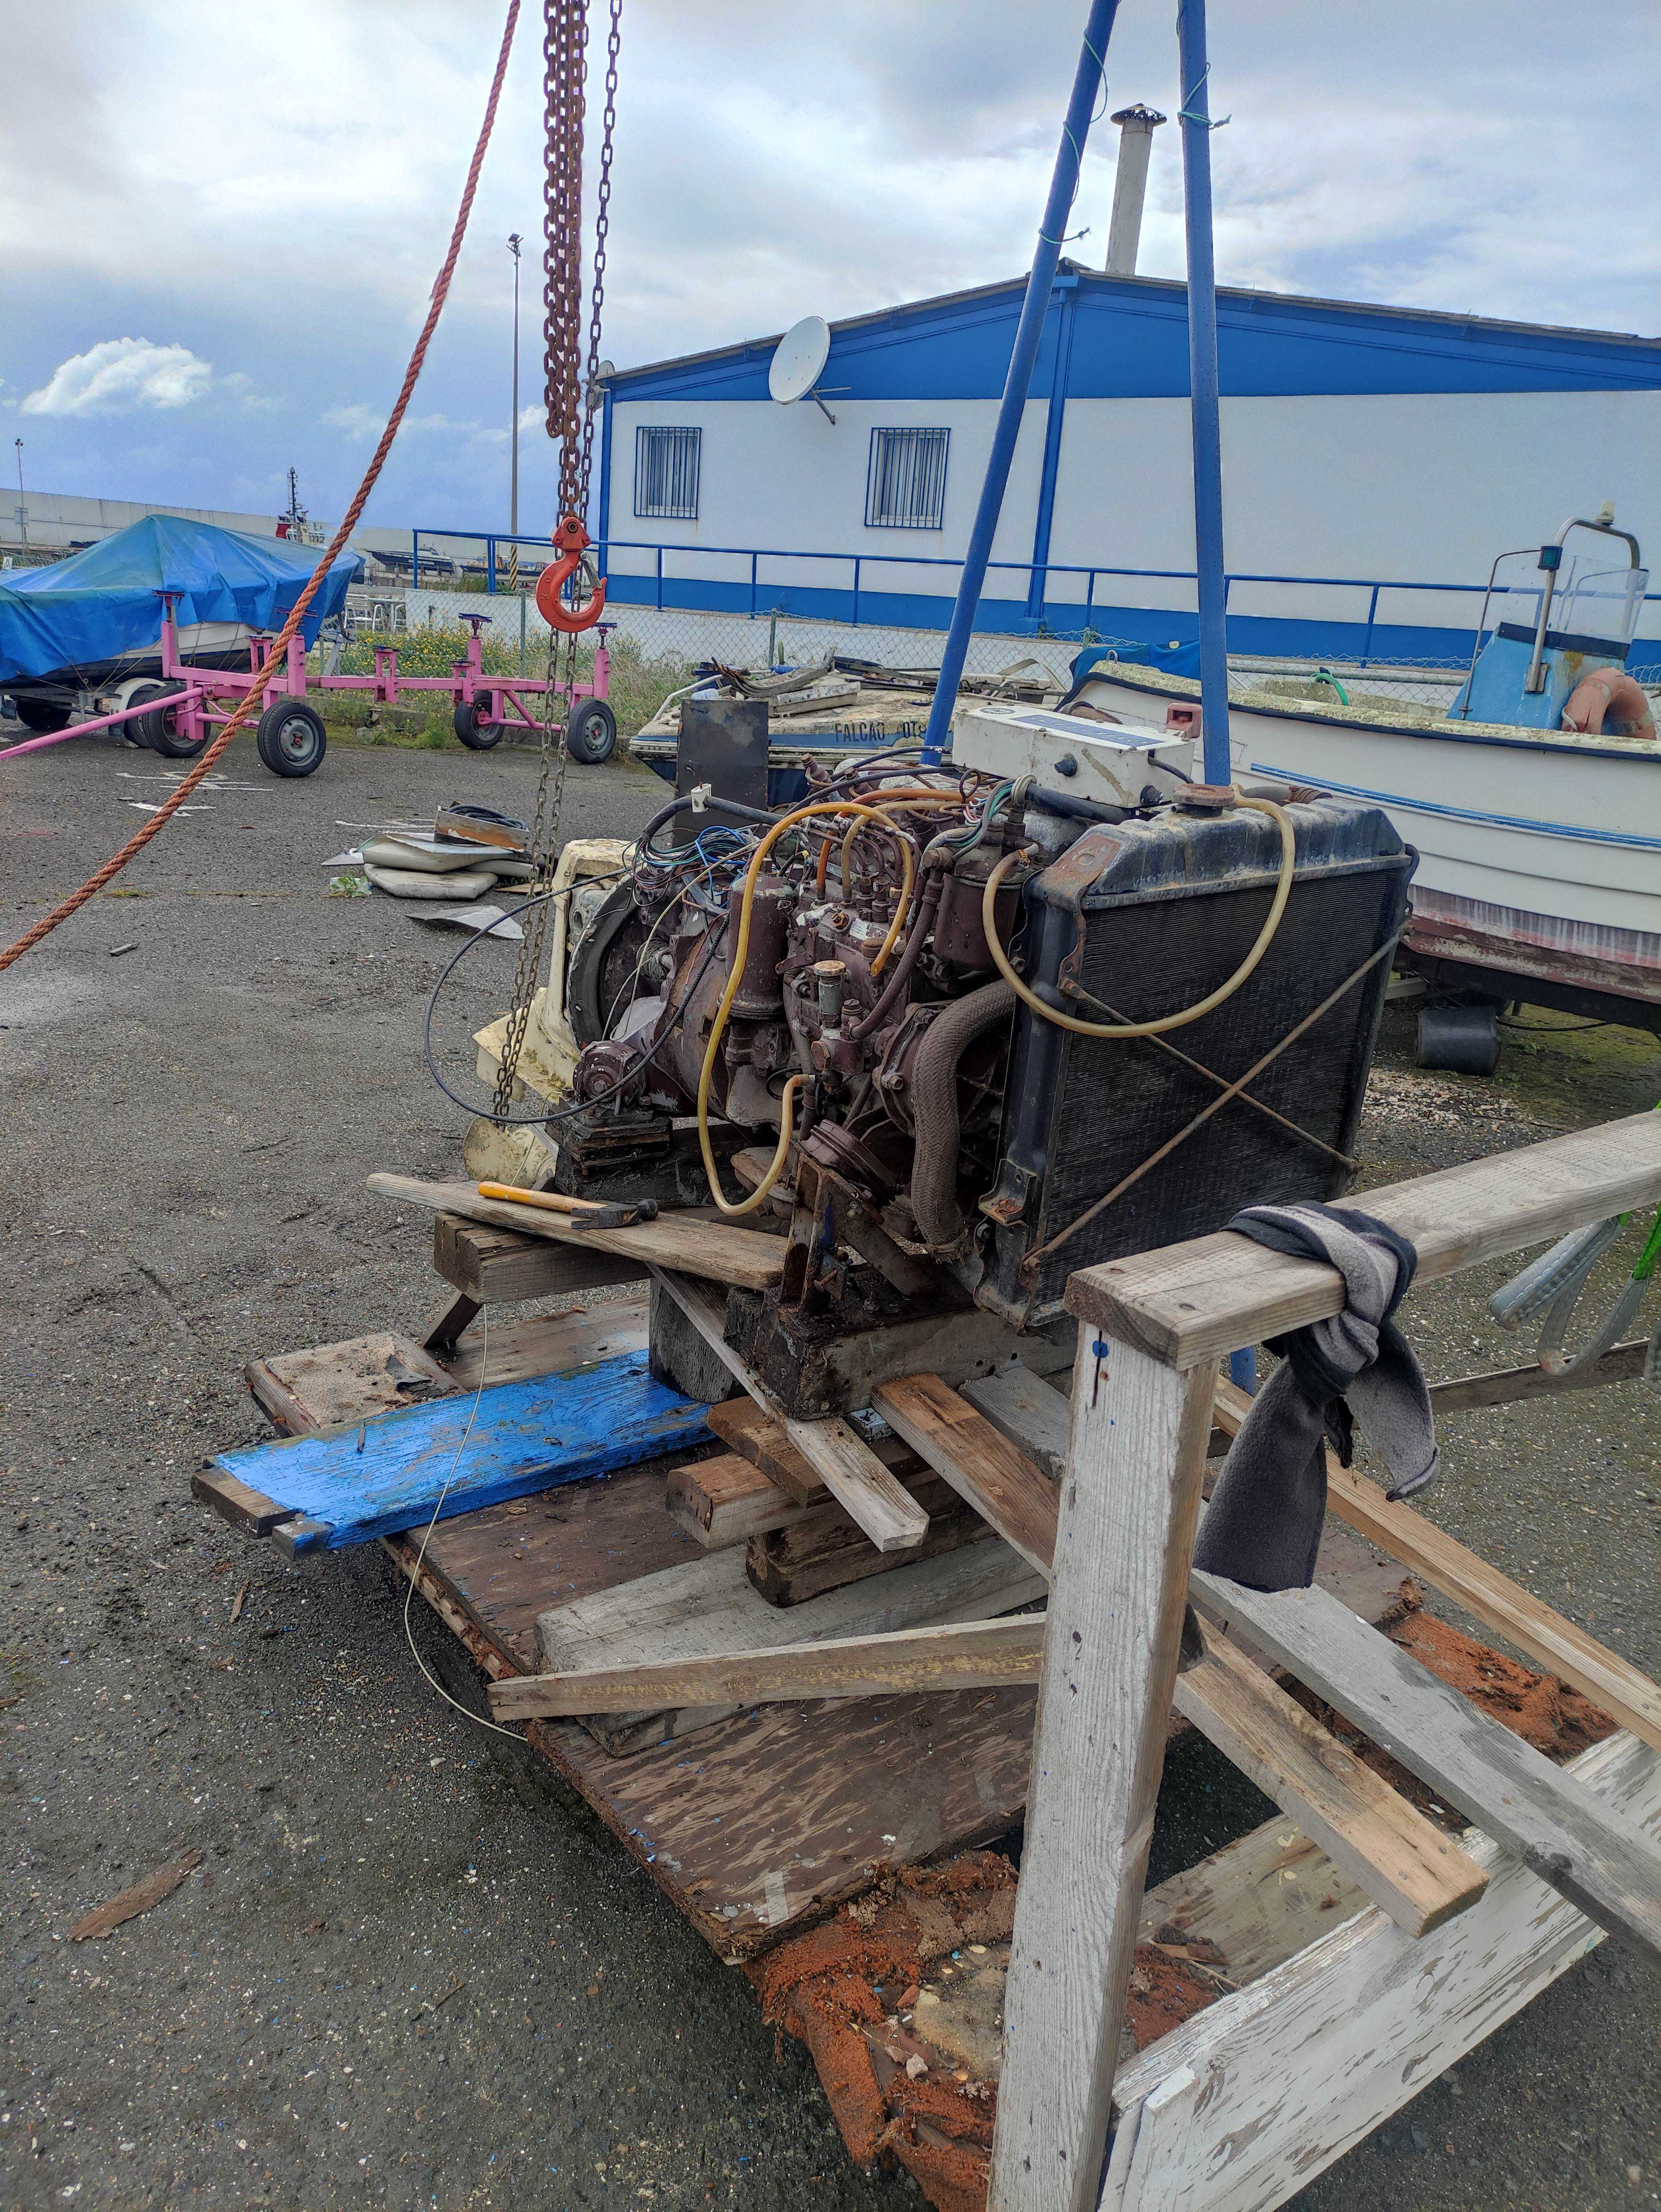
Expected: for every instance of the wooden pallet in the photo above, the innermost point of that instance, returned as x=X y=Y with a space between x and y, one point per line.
x=1364 y=1948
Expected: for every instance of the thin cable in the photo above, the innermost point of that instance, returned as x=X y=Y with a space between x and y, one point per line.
x=478 y=1719
x=582 y=1106
x=275 y=659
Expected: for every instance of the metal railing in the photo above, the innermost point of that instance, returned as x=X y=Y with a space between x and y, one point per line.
x=860 y=588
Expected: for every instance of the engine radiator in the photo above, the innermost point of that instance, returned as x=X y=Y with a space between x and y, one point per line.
x=1150 y=916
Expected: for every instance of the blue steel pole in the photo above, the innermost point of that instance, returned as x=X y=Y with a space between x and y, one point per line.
x=1202 y=391
x=1063 y=185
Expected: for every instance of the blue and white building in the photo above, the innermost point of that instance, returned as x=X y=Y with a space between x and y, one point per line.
x=1375 y=461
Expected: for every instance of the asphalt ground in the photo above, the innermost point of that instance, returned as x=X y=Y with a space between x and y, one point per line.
x=413 y=1971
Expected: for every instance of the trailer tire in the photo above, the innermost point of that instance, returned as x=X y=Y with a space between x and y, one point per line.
x=591 y=735
x=41 y=715
x=475 y=732
x=291 y=738
x=159 y=732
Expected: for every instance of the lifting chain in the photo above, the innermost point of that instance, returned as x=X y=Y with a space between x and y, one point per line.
x=570 y=419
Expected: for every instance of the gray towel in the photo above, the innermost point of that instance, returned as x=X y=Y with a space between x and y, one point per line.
x=1263 y=1527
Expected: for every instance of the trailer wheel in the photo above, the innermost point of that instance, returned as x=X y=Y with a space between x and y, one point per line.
x=160 y=732
x=475 y=732
x=39 y=714
x=291 y=738
x=1464 y=1039
x=591 y=735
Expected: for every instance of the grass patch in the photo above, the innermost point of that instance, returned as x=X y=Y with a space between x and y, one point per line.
x=638 y=685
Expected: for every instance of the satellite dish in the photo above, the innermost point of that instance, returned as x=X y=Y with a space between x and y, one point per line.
x=799 y=359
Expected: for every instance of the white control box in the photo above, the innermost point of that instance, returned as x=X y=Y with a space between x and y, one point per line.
x=1116 y=763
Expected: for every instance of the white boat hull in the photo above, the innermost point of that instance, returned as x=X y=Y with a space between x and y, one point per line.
x=1539 y=853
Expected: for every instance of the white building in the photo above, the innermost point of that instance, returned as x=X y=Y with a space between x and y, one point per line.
x=1375 y=461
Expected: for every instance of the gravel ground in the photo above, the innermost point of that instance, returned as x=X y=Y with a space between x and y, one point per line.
x=488 y=2004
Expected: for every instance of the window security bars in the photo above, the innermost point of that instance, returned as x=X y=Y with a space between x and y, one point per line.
x=666 y=463
x=905 y=488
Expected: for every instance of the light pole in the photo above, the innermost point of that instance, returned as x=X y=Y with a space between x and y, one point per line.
x=22 y=512
x=513 y=245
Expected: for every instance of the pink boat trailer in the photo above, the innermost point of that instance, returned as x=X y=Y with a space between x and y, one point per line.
x=177 y=716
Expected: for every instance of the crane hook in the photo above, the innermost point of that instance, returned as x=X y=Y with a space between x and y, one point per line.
x=573 y=541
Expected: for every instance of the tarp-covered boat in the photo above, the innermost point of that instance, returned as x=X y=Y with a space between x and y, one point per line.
x=99 y=614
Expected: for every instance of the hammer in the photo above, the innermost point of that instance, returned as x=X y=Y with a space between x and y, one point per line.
x=580 y=1213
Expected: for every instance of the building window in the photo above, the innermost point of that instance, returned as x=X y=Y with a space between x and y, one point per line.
x=905 y=488
x=666 y=456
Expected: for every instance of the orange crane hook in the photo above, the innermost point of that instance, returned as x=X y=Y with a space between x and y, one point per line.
x=573 y=541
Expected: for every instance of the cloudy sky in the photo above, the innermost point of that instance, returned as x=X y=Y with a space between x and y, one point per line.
x=219 y=224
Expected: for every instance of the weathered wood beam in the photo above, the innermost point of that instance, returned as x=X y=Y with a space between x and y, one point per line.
x=1125 y=1537
x=845 y=1464
x=1194 y=1302
x=1622 y=1689
x=1513 y=1793
x=712 y=1250
x=967 y=1656
x=1404 y=1862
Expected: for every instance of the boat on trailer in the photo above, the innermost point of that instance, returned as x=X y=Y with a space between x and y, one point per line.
x=1539 y=875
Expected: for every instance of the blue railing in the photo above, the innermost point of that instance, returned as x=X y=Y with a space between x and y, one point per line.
x=860 y=601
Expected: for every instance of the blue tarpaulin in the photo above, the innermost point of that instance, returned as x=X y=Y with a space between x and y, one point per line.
x=100 y=605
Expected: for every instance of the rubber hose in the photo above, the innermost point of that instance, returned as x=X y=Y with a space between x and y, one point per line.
x=680 y=807
x=934 y=1107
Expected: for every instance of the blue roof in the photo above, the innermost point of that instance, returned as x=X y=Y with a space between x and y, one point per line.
x=104 y=602
x=1130 y=341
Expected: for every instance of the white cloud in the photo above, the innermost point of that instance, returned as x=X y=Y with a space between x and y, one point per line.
x=119 y=375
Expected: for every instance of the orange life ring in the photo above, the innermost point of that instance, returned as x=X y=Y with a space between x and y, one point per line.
x=1608 y=691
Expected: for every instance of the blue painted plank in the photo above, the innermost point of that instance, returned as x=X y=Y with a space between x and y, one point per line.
x=388 y=1473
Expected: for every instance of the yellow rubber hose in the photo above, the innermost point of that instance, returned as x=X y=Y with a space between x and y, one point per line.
x=1265 y=937
x=719 y=1027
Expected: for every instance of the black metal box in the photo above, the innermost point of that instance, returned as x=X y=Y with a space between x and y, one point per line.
x=1146 y=917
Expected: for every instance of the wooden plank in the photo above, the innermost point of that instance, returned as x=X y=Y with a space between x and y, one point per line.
x=823 y=1550
x=503 y=1565
x=785 y=1810
x=1306 y=2063
x=726 y=1501
x=548 y=1344
x=238 y=1502
x=979 y=1654
x=1261 y=1900
x=390 y=1471
x=758 y=1437
x=1196 y=1301
x=1512 y=1791
x=500 y=1265
x=844 y=1462
x=706 y=1609
x=1504 y=1386
x=329 y=1385
x=1404 y=1862
x=1123 y=1543
x=1401 y=1860
x=1032 y=1412
x=712 y=1249
x=456 y=1314
x=890 y=1517
x=1622 y=1689
x=998 y=1479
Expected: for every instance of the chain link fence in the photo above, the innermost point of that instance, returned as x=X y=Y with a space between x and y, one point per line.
x=654 y=651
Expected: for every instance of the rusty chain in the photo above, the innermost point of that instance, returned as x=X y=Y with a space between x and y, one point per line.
x=570 y=419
